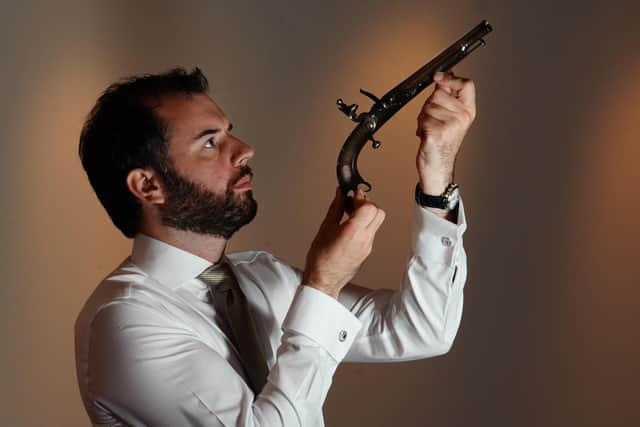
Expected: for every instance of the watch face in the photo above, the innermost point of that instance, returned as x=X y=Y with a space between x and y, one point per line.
x=453 y=199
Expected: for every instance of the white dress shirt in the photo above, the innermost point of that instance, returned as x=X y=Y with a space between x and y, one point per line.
x=150 y=351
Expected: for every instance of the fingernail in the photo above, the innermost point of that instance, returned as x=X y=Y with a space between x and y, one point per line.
x=438 y=76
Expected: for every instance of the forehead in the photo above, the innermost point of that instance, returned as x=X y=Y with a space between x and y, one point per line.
x=187 y=115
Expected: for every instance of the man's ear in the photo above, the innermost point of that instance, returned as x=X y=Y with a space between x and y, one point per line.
x=144 y=184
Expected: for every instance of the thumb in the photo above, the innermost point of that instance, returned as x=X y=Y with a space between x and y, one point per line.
x=336 y=209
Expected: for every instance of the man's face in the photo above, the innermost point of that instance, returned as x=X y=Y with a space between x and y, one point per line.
x=207 y=181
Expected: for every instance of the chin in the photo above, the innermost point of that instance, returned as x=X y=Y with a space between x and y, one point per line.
x=245 y=194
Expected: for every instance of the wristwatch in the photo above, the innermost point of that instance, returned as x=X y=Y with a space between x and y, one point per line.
x=447 y=200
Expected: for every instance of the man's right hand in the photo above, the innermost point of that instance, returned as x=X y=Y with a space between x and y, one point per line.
x=340 y=248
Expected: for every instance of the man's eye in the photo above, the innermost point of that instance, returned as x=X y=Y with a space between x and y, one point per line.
x=210 y=143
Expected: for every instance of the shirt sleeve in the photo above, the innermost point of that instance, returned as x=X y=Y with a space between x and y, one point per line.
x=153 y=373
x=421 y=318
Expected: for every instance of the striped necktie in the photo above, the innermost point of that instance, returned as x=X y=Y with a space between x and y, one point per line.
x=222 y=284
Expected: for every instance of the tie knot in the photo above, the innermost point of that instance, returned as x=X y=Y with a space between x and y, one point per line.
x=218 y=277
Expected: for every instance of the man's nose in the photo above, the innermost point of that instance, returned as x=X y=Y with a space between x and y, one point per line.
x=241 y=154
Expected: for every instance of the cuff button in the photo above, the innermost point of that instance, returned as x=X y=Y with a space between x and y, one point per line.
x=342 y=335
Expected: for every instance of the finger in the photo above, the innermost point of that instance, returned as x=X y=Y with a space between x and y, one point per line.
x=452 y=81
x=439 y=112
x=359 y=198
x=463 y=87
x=443 y=76
x=426 y=125
x=361 y=217
x=363 y=213
x=468 y=94
x=377 y=221
x=336 y=209
x=353 y=201
x=447 y=100
x=441 y=97
x=463 y=104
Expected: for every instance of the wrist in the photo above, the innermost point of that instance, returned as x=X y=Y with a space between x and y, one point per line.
x=434 y=180
x=323 y=286
x=329 y=291
x=434 y=187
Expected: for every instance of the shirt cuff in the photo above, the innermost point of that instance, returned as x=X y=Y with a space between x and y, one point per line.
x=322 y=319
x=435 y=238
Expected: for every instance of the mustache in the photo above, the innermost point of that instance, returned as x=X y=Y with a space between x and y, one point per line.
x=244 y=171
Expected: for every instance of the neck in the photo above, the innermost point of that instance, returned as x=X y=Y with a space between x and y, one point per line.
x=208 y=247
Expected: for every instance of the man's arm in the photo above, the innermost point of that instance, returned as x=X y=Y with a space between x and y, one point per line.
x=151 y=372
x=340 y=248
x=420 y=319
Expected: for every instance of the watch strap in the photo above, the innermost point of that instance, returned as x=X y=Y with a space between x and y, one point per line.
x=429 y=201
x=440 y=202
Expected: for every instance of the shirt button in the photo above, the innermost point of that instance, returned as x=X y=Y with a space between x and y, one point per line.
x=342 y=335
x=446 y=241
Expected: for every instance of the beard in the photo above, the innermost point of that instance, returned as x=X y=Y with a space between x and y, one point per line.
x=190 y=206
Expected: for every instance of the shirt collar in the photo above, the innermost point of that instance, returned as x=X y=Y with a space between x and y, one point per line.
x=167 y=264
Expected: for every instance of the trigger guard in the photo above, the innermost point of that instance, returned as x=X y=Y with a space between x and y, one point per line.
x=354 y=183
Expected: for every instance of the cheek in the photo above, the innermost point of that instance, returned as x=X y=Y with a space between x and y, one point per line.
x=214 y=179
x=206 y=172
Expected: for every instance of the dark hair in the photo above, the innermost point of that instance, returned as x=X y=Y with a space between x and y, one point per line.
x=123 y=132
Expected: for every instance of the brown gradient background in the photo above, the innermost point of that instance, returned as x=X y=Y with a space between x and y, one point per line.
x=548 y=172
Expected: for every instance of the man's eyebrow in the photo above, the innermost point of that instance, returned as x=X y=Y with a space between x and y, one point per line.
x=212 y=131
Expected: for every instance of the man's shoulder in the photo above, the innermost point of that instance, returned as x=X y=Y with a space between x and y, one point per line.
x=261 y=260
x=265 y=270
x=268 y=281
x=250 y=257
x=122 y=285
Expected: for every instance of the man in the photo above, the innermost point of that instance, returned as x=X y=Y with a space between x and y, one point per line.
x=160 y=341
